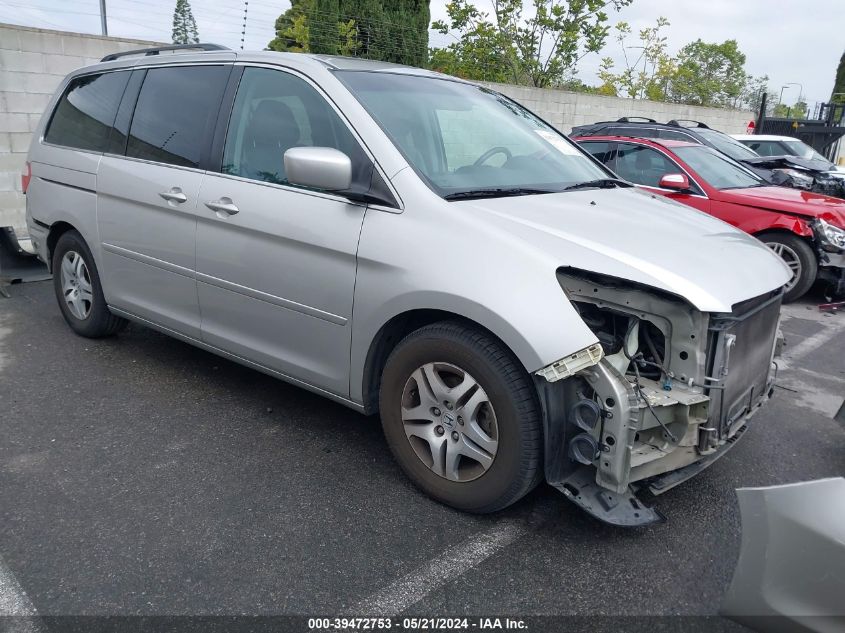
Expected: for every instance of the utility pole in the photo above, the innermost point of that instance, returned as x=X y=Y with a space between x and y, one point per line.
x=104 y=27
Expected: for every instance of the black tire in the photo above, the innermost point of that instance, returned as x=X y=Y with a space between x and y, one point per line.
x=806 y=257
x=99 y=321
x=517 y=466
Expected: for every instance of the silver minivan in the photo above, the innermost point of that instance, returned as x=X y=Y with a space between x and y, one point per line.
x=413 y=245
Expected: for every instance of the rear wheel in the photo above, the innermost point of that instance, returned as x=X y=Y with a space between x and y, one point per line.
x=800 y=258
x=77 y=286
x=461 y=417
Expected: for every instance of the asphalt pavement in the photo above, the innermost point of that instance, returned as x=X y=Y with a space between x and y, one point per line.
x=142 y=476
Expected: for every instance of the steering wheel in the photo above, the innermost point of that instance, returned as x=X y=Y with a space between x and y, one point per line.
x=492 y=152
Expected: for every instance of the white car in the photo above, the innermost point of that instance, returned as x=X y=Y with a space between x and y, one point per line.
x=772 y=145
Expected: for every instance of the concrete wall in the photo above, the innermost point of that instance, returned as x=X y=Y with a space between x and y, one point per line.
x=565 y=110
x=32 y=64
x=34 y=61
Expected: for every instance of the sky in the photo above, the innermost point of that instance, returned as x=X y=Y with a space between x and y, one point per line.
x=790 y=41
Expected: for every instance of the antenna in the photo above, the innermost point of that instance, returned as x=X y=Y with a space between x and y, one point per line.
x=243 y=30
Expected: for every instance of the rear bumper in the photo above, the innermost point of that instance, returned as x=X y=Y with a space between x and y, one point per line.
x=38 y=235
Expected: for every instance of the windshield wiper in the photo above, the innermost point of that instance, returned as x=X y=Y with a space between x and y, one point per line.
x=500 y=192
x=601 y=183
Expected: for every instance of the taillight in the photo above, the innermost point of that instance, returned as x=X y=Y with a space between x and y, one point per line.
x=26 y=176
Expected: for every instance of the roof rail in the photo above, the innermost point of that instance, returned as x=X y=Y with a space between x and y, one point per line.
x=677 y=123
x=160 y=49
x=631 y=119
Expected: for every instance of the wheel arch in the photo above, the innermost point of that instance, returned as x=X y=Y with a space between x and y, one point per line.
x=392 y=332
x=57 y=229
x=777 y=223
x=779 y=230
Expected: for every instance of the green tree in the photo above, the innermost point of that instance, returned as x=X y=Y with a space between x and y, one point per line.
x=644 y=76
x=184 y=25
x=709 y=74
x=394 y=31
x=797 y=110
x=752 y=94
x=292 y=32
x=838 y=94
x=480 y=54
x=406 y=31
x=540 y=47
x=323 y=26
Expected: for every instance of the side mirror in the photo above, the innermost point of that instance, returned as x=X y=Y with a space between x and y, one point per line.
x=318 y=167
x=678 y=182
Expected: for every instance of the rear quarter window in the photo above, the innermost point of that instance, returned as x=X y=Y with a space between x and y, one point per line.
x=86 y=111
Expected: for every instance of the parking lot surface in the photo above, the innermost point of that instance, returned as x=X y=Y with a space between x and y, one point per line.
x=142 y=476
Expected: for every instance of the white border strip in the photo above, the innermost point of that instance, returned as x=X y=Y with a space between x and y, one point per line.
x=454 y=562
x=13 y=599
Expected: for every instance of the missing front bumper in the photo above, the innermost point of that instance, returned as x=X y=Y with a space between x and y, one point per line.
x=620 y=509
x=661 y=483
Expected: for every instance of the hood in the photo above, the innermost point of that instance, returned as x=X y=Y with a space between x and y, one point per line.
x=788 y=200
x=635 y=235
x=788 y=162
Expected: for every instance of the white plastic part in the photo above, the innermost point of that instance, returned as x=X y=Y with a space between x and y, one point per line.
x=572 y=364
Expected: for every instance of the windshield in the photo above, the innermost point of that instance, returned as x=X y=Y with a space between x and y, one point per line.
x=799 y=148
x=462 y=138
x=716 y=169
x=727 y=145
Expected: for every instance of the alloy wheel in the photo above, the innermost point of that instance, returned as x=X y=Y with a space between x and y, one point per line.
x=76 y=285
x=788 y=255
x=450 y=422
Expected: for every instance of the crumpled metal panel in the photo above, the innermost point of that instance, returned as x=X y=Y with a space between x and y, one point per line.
x=791 y=570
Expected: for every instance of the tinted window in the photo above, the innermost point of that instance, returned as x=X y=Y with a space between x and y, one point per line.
x=799 y=148
x=86 y=111
x=726 y=144
x=175 y=114
x=766 y=148
x=273 y=112
x=643 y=165
x=718 y=170
x=676 y=136
x=120 y=131
x=600 y=151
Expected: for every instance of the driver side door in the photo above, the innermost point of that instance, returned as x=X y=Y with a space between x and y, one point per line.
x=276 y=263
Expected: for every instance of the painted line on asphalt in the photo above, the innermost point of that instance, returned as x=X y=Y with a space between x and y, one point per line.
x=13 y=599
x=814 y=342
x=454 y=562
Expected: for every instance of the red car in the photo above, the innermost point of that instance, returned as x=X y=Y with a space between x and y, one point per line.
x=806 y=229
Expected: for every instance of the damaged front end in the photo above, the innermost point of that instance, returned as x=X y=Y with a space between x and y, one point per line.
x=666 y=392
x=799 y=173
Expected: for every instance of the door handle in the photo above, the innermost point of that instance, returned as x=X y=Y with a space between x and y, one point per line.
x=174 y=195
x=223 y=205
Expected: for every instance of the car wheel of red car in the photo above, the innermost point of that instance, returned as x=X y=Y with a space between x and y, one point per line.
x=799 y=256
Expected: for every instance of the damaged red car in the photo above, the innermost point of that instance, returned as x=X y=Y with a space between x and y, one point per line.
x=806 y=229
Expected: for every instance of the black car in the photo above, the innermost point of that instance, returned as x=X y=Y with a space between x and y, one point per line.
x=676 y=129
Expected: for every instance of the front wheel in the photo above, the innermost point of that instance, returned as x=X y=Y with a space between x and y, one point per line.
x=800 y=258
x=78 y=290
x=461 y=417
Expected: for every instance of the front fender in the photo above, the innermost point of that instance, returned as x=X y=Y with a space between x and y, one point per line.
x=412 y=261
x=755 y=221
